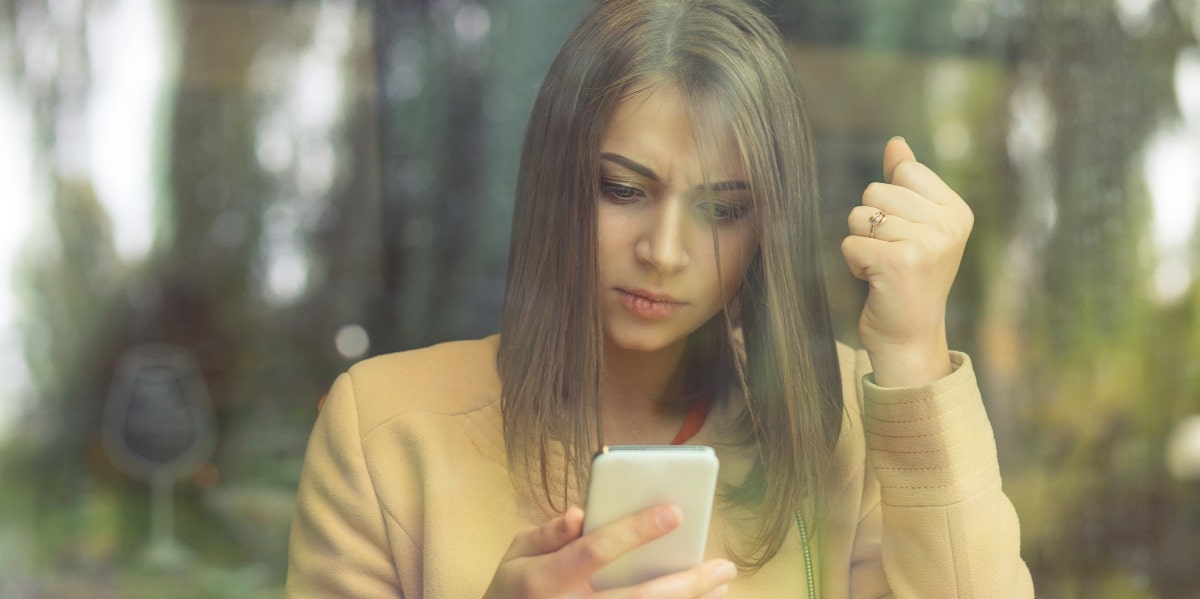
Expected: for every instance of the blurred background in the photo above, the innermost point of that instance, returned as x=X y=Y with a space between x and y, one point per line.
x=210 y=208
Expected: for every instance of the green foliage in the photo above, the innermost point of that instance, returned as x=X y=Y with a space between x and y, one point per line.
x=1085 y=374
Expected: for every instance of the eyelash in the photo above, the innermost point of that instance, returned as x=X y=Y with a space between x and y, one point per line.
x=731 y=212
x=718 y=212
x=615 y=190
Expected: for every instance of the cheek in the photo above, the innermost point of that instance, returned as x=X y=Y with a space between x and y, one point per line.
x=607 y=238
x=735 y=260
x=615 y=239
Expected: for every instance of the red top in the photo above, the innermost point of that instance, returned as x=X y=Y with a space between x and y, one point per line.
x=691 y=425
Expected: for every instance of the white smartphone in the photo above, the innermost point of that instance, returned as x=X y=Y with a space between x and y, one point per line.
x=629 y=478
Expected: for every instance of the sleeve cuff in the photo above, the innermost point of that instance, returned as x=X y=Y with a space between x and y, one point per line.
x=930 y=445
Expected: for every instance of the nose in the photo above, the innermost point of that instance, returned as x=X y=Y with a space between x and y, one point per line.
x=663 y=245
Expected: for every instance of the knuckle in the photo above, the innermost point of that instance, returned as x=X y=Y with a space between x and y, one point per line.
x=644 y=525
x=957 y=229
x=908 y=257
x=874 y=188
x=591 y=551
x=905 y=170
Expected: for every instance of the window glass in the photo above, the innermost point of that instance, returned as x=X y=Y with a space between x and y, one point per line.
x=215 y=207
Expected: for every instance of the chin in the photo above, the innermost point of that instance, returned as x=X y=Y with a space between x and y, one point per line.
x=642 y=341
x=641 y=346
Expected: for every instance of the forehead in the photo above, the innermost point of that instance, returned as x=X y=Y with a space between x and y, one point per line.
x=660 y=128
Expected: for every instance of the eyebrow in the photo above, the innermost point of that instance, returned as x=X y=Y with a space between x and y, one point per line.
x=650 y=174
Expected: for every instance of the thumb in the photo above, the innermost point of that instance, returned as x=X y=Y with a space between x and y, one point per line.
x=895 y=152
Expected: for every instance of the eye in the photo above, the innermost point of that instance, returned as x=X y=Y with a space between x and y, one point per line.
x=619 y=193
x=721 y=211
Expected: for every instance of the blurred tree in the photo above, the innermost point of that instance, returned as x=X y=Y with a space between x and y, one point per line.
x=1100 y=380
x=267 y=355
x=456 y=81
x=431 y=59
x=69 y=281
x=329 y=164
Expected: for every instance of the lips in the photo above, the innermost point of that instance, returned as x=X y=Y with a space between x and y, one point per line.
x=649 y=304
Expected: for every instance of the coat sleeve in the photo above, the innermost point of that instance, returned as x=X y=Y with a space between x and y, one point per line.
x=338 y=545
x=942 y=526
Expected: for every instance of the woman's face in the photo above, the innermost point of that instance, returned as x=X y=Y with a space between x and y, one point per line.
x=656 y=215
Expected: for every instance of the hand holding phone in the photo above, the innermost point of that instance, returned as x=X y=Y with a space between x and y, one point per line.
x=555 y=559
x=626 y=479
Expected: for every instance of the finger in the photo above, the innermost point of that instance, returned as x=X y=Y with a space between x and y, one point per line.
x=894 y=199
x=709 y=579
x=922 y=180
x=590 y=552
x=900 y=167
x=859 y=253
x=549 y=536
x=896 y=151
x=890 y=227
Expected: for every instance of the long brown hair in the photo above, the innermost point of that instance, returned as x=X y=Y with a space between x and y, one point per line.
x=720 y=53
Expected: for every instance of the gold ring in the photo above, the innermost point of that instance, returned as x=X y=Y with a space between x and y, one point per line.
x=877 y=220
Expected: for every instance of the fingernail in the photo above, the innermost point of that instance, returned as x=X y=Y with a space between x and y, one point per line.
x=724 y=573
x=668 y=517
x=900 y=138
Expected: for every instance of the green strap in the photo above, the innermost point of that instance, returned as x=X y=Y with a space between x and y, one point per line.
x=808 y=566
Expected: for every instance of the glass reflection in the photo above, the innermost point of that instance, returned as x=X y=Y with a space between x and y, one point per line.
x=284 y=188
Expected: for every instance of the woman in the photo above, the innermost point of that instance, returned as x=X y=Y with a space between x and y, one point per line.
x=664 y=285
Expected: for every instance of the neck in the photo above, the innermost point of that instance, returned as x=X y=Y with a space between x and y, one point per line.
x=641 y=400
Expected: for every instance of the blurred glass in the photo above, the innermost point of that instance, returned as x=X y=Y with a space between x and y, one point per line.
x=282 y=188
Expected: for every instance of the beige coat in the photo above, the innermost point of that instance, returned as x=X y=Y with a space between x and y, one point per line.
x=405 y=490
